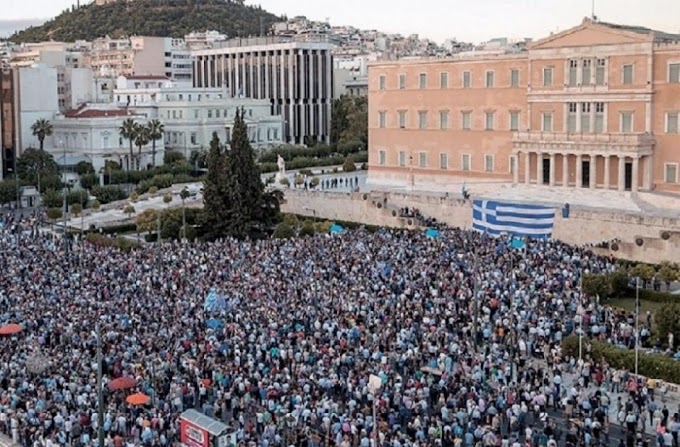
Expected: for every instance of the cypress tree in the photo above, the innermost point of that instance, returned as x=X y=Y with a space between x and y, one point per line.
x=214 y=193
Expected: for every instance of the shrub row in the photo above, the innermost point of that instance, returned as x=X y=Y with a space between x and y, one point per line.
x=290 y=153
x=649 y=365
x=106 y=241
x=306 y=162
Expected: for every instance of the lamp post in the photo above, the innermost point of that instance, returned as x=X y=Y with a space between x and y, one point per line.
x=413 y=179
x=475 y=297
x=637 y=319
x=579 y=310
x=374 y=385
x=100 y=396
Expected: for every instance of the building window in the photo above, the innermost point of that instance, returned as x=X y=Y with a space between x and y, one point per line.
x=672 y=122
x=489 y=79
x=209 y=113
x=382 y=82
x=467 y=120
x=514 y=77
x=585 y=117
x=514 y=121
x=402 y=81
x=422 y=119
x=547 y=122
x=444 y=119
x=381 y=158
x=443 y=161
x=422 y=159
x=599 y=117
x=573 y=72
x=402 y=119
x=488 y=163
x=382 y=119
x=217 y=113
x=443 y=80
x=488 y=121
x=671 y=173
x=465 y=162
x=626 y=122
x=547 y=77
x=512 y=162
x=196 y=113
x=402 y=158
x=627 y=74
x=572 y=109
x=422 y=81
x=467 y=79
x=674 y=73
x=600 y=72
x=586 y=74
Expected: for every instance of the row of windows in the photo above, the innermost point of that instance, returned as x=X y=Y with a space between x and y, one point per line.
x=582 y=117
x=580 y=72
x=255 y=135
x=670 y=169
x=444 y=121
x=466 y=80
x=216 y=113
x=423 y=162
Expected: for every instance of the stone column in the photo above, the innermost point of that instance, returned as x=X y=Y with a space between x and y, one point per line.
x=551 y=181
x=579 y=171
x=565 y=170
x=622 y=173
x=647 y=179
x=527 y=168
x=606 y=171
x=593 y=172
x=515 y=171
x=539 y=168
x=636 y=174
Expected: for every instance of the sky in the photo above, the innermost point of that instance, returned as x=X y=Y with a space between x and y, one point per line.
x=475 y=21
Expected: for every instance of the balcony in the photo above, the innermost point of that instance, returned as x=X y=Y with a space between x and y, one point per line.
x=639 y=144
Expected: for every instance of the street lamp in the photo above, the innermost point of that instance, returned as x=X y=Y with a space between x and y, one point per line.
x=413 y=179
x=475 y=297
x=374 y=385
x=637 y=319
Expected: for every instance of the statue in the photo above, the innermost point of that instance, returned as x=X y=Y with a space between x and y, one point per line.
x=282 y=169
x=282 y=165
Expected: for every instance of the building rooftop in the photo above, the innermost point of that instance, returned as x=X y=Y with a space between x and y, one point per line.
x=87 y=112
x=658 y=35
x=146 y=78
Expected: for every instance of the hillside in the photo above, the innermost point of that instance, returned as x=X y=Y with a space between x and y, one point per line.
x=172 y=18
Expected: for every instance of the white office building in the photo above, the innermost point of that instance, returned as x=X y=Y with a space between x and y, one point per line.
x=295 y=77
x=192 y=115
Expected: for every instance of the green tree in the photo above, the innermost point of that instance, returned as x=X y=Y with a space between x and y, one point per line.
x=53 y=198
x=349 y=120
x=36 y=167
x=84 y=168
x=618 y=281
x=147 y=221
x=643 y=271
x=156 y=129
x=142 y=138
x=596 y=285
x=42 y=128
x=184 y=194
x=8 y=191
x=283 y=231
x=668 y=273
x=128 y=130
x=76 y=209
x=339 y=120
x=167 y=198
x=173 y=157
x=129 y=209
x=349 y=165
x=96 y=205
x=667 y=320
x=55 y=213
x=214 y=192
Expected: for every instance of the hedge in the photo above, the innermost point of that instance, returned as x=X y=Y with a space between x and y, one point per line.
x=649 y=365
x=654 y=296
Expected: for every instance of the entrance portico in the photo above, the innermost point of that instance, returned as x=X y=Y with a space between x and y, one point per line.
x=584 y=161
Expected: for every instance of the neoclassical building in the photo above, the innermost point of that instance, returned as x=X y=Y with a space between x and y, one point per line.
x=595 y=106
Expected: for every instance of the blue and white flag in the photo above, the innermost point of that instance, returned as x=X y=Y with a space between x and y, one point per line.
x=215 y=302
x=496 y=218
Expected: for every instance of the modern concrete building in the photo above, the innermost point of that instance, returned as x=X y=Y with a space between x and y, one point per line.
x=595 y=106
x=9 y=134
x=296 y=77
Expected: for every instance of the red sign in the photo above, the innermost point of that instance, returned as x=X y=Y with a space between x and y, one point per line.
x=192 y=435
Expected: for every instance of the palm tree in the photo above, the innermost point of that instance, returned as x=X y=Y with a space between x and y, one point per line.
x=127 y=131
x=42 y=128
x=156 y=129
x=141 y=138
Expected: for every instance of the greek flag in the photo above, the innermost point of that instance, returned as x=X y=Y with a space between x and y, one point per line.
x=214 y=302
x=496 y=218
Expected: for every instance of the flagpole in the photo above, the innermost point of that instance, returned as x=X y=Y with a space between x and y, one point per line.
x=580 y=316
x=637 y=319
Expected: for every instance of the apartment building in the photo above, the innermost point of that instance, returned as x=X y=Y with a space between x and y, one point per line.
x=141 y=55
x=295 y=76
x=595 y=106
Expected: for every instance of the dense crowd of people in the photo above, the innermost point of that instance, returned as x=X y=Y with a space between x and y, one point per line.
x=462 y=330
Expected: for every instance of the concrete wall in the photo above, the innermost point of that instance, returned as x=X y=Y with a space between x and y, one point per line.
x=582 y=227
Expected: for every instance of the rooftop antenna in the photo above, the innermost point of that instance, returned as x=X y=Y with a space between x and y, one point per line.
x=592 y=11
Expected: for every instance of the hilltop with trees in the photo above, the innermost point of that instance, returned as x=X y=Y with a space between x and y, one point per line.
x=156 y=18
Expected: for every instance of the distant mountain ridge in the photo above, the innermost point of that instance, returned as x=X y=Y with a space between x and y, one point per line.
x=9 y=27
x=161 y=18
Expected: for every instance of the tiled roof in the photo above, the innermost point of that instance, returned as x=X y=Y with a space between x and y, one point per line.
x=146 y=78
x=96 y=113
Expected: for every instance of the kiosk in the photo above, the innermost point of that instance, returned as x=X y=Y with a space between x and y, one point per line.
x=199 y=430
